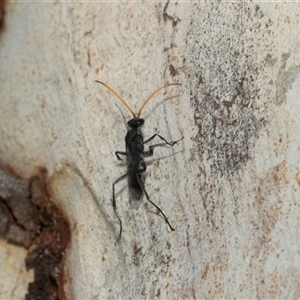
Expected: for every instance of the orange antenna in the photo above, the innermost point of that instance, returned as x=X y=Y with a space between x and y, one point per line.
x=152 y=94
x=118 y=96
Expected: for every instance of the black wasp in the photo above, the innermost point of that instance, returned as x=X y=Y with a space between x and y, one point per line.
x=135 y=153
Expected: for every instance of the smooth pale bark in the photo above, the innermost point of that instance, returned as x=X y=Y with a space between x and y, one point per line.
x=230 y=188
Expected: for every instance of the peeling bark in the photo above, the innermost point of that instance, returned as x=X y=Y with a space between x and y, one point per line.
x=29 y=219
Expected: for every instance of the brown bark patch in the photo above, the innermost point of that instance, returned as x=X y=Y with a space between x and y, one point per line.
x=29 y=218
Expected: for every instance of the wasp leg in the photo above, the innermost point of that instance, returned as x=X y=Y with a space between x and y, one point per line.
x=150 y=151
x=139 y=180
x=115 y=206
x=118 y=153
x=165 y=141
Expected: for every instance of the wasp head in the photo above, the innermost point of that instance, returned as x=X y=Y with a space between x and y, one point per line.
x=135 y=122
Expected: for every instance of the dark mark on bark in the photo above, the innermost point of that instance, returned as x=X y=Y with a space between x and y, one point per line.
x=167 y=17
x=172 y=70
x=2 y=14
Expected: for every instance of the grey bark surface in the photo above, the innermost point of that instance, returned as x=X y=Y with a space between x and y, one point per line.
x=231 y=188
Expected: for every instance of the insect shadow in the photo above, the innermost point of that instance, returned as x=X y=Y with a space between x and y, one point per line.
x=135 y=154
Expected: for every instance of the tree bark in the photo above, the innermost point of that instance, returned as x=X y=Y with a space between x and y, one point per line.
x=230 y=188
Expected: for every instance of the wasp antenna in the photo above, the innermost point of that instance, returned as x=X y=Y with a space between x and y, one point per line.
x=124 y=119
x=152 y=94
x=118 y=96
